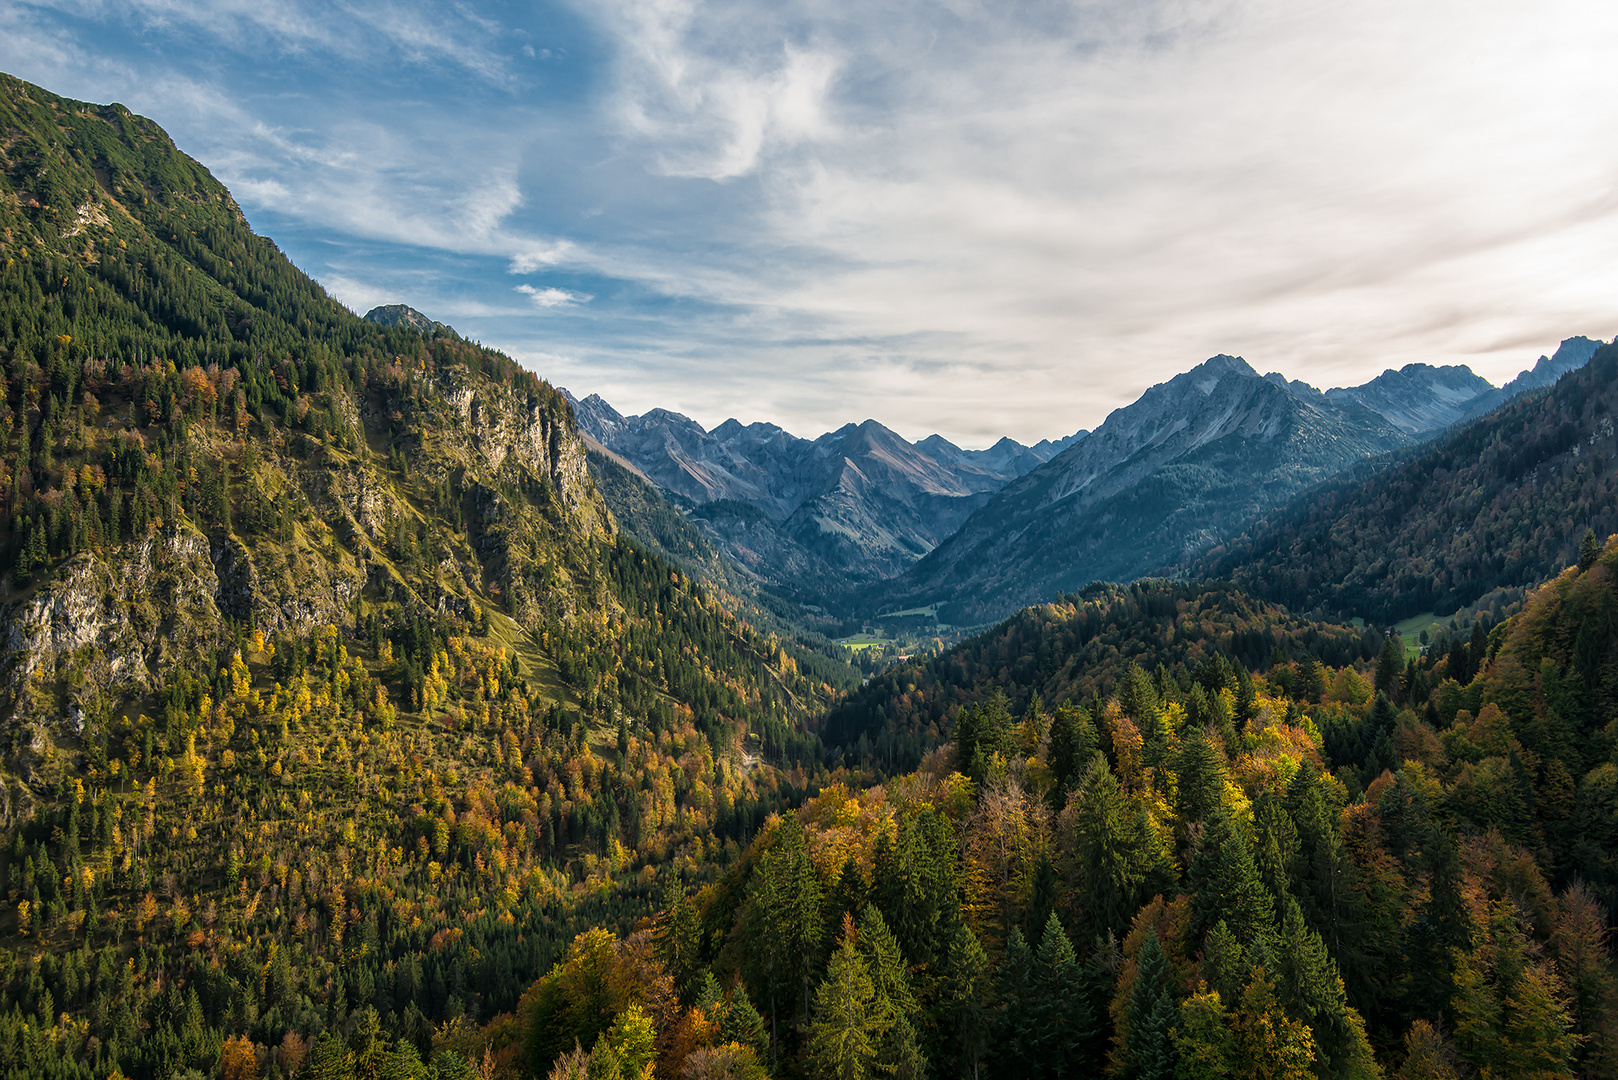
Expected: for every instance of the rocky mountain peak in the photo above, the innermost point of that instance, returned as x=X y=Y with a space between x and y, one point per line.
x=391 y=315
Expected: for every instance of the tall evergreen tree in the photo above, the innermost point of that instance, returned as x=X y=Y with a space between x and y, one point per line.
x=1225 y=885
x=786 y=904
x=1015 y=1037
x=1148 y=1051
x=964 y=1036
x=848 y=1025
x=1063 y=1023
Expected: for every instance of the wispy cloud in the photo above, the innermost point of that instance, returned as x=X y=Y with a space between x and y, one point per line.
x=549 y=297
x=526 y=262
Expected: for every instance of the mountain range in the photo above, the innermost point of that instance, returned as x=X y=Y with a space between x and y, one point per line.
x=1494 y=504
x=862 y=519
x=855 y=505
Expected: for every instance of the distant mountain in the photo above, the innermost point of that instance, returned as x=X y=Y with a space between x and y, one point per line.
x=1498 y=502
x=1573 y=353
x=1418 y=399
x=391 y=315
x=1191 y=459
x=857 y=504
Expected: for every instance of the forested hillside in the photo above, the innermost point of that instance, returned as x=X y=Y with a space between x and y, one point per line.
x=1388 y=867
x=1499 y=502
x=1075 y=649
x=334 y=697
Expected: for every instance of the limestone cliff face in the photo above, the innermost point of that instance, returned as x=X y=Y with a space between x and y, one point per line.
x=496 y=429
x=112 y=625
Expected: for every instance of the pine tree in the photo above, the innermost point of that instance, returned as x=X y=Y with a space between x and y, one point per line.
x=787 y=903
x=1390 y=662
x=1579 y=943
x=1275 y=846
x=966 y=1015
x=1073 y=742
x=1110 y=861
x=1311 y=990
x=1015 y=1038
x=1225 y=885
x=1201 y=771
x=740 y=1022
x=1589 y=550
x=677 y=944
x=895 y=1002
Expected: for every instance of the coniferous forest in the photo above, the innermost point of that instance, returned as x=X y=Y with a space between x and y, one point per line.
x=359 y=722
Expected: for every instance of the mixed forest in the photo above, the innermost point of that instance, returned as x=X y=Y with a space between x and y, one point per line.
x=359 y=724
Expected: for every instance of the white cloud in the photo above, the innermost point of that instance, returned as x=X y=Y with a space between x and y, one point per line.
x=548 y=298
x=526 y=262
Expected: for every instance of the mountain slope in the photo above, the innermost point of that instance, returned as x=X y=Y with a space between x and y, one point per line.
x=1498 y=502
x=1191 y=458
x=1573 y=353
x=854 y=505
x=1418 y=398
x=332 y=695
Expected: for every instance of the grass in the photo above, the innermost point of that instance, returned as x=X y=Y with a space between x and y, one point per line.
x=930 y=609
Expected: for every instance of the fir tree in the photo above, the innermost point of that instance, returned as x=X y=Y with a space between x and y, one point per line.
x=1063 y=1023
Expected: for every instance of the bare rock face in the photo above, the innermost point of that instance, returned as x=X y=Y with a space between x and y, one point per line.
x=496 y=430
x=109 y=627
x=101 y=630
x=405 y=315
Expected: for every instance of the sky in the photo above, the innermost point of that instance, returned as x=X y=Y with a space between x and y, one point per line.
x=976 y=219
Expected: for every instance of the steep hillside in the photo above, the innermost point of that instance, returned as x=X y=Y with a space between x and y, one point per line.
x=1499 y=502
x=1073 y=649
x=1190 y=460
x=331 y=691
x=1344 y=869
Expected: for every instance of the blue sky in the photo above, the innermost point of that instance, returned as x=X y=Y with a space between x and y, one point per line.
x=976 y=219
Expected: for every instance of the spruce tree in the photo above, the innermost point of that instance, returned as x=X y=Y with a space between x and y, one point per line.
x=1015 y=1038
x=848 y=1025
x=1589 y=550
x=1062 y=1020
x=1225 y=885
x=1148 y=1051
x=967 y=1016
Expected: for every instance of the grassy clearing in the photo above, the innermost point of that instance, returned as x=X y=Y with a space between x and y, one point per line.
x=1410 y=630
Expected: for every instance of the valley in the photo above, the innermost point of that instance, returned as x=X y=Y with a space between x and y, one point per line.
x=370 y=707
